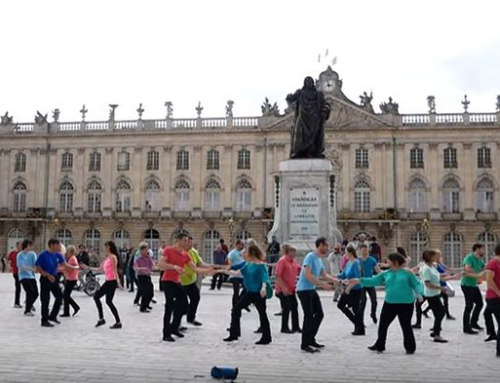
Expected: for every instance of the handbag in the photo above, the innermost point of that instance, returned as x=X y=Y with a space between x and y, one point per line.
x=224 y=372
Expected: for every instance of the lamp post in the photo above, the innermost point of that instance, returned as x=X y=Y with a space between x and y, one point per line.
x=231 y=228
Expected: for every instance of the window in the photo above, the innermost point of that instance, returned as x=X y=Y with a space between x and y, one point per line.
x=418 y=243
x=417 y=196
x=64 y=236
x=19 y=198
x=484 y=157
x=152 y=196
x=94 y=191
x=123 y=162
x=212 y=160
x=212 y=196
x=14 y=236
x=488 y=240
x=210 y=241
x=95 y=162
x=182 y=190
x=244 y=159
x=452 y=250
x=485 y=193
x=450 y=158
x=451 y=196
x=362 y=158
x=243 y=196
x=416 y=158
x=362 y=197
x=67 y=161
x=123 y=190
x=153 y=160
x=152 y=238
x=182 y=160
x=243 y=235
x=66 y=197
x=122 y=239
x=20 y=165
x=92 y=240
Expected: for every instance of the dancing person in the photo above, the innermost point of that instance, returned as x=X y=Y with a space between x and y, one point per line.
x=369 y=267
x=47 y=266
x=173 y=262
x=131 y=272
x=473 y=266
x=335 y=261
x=12 y=258
x=401 y=286
x=110 y=266
x=492 y=275
x=71 y=277
x=256 y=281
x=375 y=250
x=26 y=260
x=350 y=300
x=143 y=266
x=309 y=279
x=235 y=258
x=287 y=270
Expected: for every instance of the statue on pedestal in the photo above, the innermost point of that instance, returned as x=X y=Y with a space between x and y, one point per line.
x=311 y=112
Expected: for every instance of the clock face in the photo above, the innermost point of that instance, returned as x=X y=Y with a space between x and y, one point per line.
x=329 y=85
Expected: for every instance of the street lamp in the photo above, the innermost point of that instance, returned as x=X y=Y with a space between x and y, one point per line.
x=231 y=227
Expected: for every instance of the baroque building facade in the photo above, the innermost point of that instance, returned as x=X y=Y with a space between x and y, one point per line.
x=414 y=180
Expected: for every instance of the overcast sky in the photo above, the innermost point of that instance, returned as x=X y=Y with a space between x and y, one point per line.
x=62 y=54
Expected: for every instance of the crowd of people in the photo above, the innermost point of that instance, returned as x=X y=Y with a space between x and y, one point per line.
x=355 y=270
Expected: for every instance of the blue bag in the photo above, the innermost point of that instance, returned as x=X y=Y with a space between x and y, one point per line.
x=224 y=372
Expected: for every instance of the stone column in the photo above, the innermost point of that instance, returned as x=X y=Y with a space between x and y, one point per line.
x=467 y=166
x=347 y=165
x=434 y=197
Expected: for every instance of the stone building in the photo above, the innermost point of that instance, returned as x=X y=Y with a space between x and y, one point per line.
x=411 y=180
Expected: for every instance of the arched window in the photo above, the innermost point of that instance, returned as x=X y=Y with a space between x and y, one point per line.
x=19 y=198
x=418 y=243
x=14 y=236
x=94 y=191
x=66 y=192
x=244 y=159
x=95 y=162
x=123 y=190
x=183 y=160
x=417 y=196
x=452 y=249
x=485 y=193
x=152 y=196
x=20 y=165
x=152 y=238
x=122 y=239
x=153 y=160
x=64 y=236
x=212 y=196
x=123 y=162
x=210 y=241
x=212 y=159
x=243 y=235
x=182 y=190
x=67 y=161
x=488 y=240
x=451 y=196
x=92 y=240
x=244 y=196
x=362 y=196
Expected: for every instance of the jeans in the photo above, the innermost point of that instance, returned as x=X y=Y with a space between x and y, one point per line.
x=313 y=315
x=493 y=306
x=438 y=311
x=372 y=293
x=47 y=287
x=404 y=312
x=107 y=289
x=473 y=304
x=176 y=304
x=31 y=290
x=145 y=290
x=17 y=293
x=289 y=305
x=260 y=304
x=350 y=305
x=68 y=288
x=193 y=294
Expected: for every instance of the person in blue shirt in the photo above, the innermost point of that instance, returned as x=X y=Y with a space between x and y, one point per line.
x=369 y=267
x=47 y=264
x=350 y=300
x=309 y=278
x=26 y=260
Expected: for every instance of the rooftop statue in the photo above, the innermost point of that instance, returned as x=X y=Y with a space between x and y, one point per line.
x=311 y=112
x=366 y=101
x=229 y=108
x=268 y=109
x=390 y=107
x=40 y=119
x=6 y=119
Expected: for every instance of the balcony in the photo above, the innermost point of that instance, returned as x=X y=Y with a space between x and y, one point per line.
x=486 y=216
x=452 y=216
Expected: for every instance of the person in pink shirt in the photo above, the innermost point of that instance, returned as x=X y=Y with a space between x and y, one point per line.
x=287 y=270
x=71 y=277
x=493 y=296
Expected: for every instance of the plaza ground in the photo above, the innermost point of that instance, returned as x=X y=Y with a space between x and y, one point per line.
x=75 y=351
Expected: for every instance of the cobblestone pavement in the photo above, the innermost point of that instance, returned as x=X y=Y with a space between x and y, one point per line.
x=75 y=351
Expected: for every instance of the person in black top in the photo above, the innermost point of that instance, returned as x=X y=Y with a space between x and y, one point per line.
x=83 y=255
x=375 y=251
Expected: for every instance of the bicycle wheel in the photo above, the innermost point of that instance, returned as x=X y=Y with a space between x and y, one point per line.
x=91 y=288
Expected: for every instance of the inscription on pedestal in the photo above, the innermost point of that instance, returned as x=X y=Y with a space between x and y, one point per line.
x=304 y=214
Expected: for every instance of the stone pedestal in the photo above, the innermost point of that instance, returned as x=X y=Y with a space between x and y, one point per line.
x=305 y=203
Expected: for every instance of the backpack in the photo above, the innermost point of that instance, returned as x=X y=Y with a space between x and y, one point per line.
x=224 y=372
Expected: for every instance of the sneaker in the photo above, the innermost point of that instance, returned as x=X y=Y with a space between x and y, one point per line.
x=100 y=322
x=470 y=332
x=116 y=326
x=64 y=316
x=47 y=324
x=450 y=317
x=29 y=314
x=358 y=333
x=375 y=348
x=439 y=339
x=195 y=323
x=286 y=331
x=490 y=338
x=168 y=339
x=317 y=345
x=263 y=341
x=309 y=349
x=54 y=320
x=178 y=334
x=144 y=311
x=18 y=306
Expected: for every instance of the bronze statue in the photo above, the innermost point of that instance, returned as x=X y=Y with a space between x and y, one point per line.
x=311 y=112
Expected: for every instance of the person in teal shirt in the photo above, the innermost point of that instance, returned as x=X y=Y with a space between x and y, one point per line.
x=473 y=267
x=369 y=267
x=26 y=260
x=400 y=288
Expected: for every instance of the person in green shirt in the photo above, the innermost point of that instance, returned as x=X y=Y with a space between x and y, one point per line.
x=401 y=286
x=473 y=267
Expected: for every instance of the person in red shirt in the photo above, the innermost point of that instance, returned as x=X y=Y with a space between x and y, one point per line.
x=173 y=261
x=13 y=267
x=493 y=297
x=287 y=270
